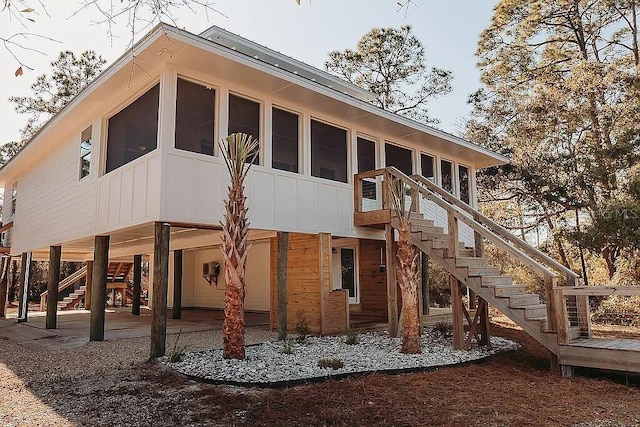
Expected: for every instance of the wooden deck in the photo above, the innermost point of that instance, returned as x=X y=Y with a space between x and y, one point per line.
x=603 y=353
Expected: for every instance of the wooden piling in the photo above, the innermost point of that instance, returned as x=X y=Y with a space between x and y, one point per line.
x=55 y=253
x=160 y=289
x=283 y=250
x=137 y=284
x=99 y=287
x=177 y=285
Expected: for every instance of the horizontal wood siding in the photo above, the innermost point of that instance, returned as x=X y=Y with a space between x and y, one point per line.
x=53 y=204
x=373 y=283
x=336 y=312
x=303 y=281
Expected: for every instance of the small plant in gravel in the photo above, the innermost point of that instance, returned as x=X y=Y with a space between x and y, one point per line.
x=302 y=327
x=351 y=338
x=331 y=363
x=287 y=346
x=178 y=349
x=444 y=329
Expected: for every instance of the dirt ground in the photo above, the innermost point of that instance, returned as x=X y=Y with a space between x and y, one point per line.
x=111 y=384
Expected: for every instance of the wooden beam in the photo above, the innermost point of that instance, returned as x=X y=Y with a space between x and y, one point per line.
x=6 y=226
x=160 y=288
x=87 y=287
x=115 y=275
x=137 y=284
x=25 y=275
x=196 y=226
x=55 y=253
x=5 y=262
x=392 y=286
x=456 y=305
x=283 y=251
x=99 y=287
x=424 y=273
x=485 y=323
x=177 y=284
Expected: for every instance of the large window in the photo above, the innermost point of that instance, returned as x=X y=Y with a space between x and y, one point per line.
x=284 y=140
x=367 y=162
x=398 y=157
x=133 y=132
x=85 y=152
x=244 y=116
x=195 y=113
x=14 y=198
x=428 y=165
x=328 y=151
x=446 y=172
x=463 y=177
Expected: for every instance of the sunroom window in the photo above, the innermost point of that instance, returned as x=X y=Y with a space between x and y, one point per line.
x=284 y=140
x=85 y=152
x=195 y=115
x=328 y=151
x=428 y=165
x=463 y=177
x=367 y=162
x=14 y=198
x=399 y=157
x=446 y=175
x=133 y=132
x=244 y=116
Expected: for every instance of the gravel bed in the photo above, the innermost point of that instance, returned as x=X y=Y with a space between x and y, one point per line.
x=271 y=363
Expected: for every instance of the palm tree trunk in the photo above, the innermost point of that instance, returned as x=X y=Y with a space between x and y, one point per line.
x=409 y=279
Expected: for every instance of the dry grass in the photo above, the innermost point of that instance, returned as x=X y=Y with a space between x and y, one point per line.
x=512 y=389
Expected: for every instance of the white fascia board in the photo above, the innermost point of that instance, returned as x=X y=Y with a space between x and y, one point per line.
x=228 y=53
x=114 y=68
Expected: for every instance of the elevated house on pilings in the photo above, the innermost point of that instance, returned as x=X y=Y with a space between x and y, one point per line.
x=130 y=170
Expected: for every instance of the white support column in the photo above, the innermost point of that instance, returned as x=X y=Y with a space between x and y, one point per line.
x=306 y=144
x=267 y=133
x=167 y=109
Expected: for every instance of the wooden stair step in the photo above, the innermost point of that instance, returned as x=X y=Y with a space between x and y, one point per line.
x=462 y=261
x=483 y=271
x=505 y=291
x=522 y=300
x=466 y=252
x=535 y=311
x=496 y=280
x=427 y=229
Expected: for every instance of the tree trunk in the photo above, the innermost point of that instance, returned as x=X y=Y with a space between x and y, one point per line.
x=409 y=280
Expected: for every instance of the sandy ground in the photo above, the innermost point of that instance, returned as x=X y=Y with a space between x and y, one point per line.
x=112 y=384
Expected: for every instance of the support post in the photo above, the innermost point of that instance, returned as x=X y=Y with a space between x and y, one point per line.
x=177 y=285
x=99 y=287
x=485 y=323
x=160 y=289
x=283 y=251
x=25 y=274
x=392 y=285
x=456 y=305
x=425 y=283
x=137 y=284
x=55 y=253
x=88 y=282
x=4 y=279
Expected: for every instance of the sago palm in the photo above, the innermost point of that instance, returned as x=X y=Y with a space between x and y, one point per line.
x=238 y=150
x=407 y=271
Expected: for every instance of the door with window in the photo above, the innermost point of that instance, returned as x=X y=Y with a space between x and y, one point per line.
x=345 y=272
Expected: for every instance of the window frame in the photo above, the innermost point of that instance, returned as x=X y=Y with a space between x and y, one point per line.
x=301 y=150
x=348 y=147
x=261 y=120
x=469 y=185
x=216 y=115
x=104 y=139
x=88 y=153
x=454 y=172
x=412 y=151
x=435 y=166
x=349 y=243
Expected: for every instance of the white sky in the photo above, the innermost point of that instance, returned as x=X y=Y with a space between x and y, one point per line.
x=448 y=29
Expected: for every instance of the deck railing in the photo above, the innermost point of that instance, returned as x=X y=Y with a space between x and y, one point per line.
x=459 y=212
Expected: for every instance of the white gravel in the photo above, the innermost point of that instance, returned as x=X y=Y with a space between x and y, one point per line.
x=268 y=363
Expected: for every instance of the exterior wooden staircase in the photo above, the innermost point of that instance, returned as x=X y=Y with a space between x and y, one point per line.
x=117 y=274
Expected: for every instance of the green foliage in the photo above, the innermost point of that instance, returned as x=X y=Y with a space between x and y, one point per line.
x=351 y=338
x=560 y=98
x=302 y=327
x=69 y=75
x=391 y=64
x=618 y=310
x=331 y=363
x=287 y=346
x=439 y=288
x=178 y=349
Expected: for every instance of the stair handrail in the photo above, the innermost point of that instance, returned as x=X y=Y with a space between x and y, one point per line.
x=496 y=228
x=64 y=284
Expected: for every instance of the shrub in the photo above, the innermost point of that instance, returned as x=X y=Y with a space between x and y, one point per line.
x=302 y=327
x=331 y=363
x=351 y=338
x=178 y=349
x=443 y=328
x=618 y=310
x=287 y=346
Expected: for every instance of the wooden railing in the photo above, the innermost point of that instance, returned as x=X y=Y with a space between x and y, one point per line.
x=64 y=284
x=483 y=227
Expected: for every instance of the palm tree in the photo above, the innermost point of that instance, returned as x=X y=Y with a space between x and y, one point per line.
x=407 y=272
x=239 y=151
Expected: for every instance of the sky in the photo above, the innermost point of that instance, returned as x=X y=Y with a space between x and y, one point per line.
x=449 y=31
